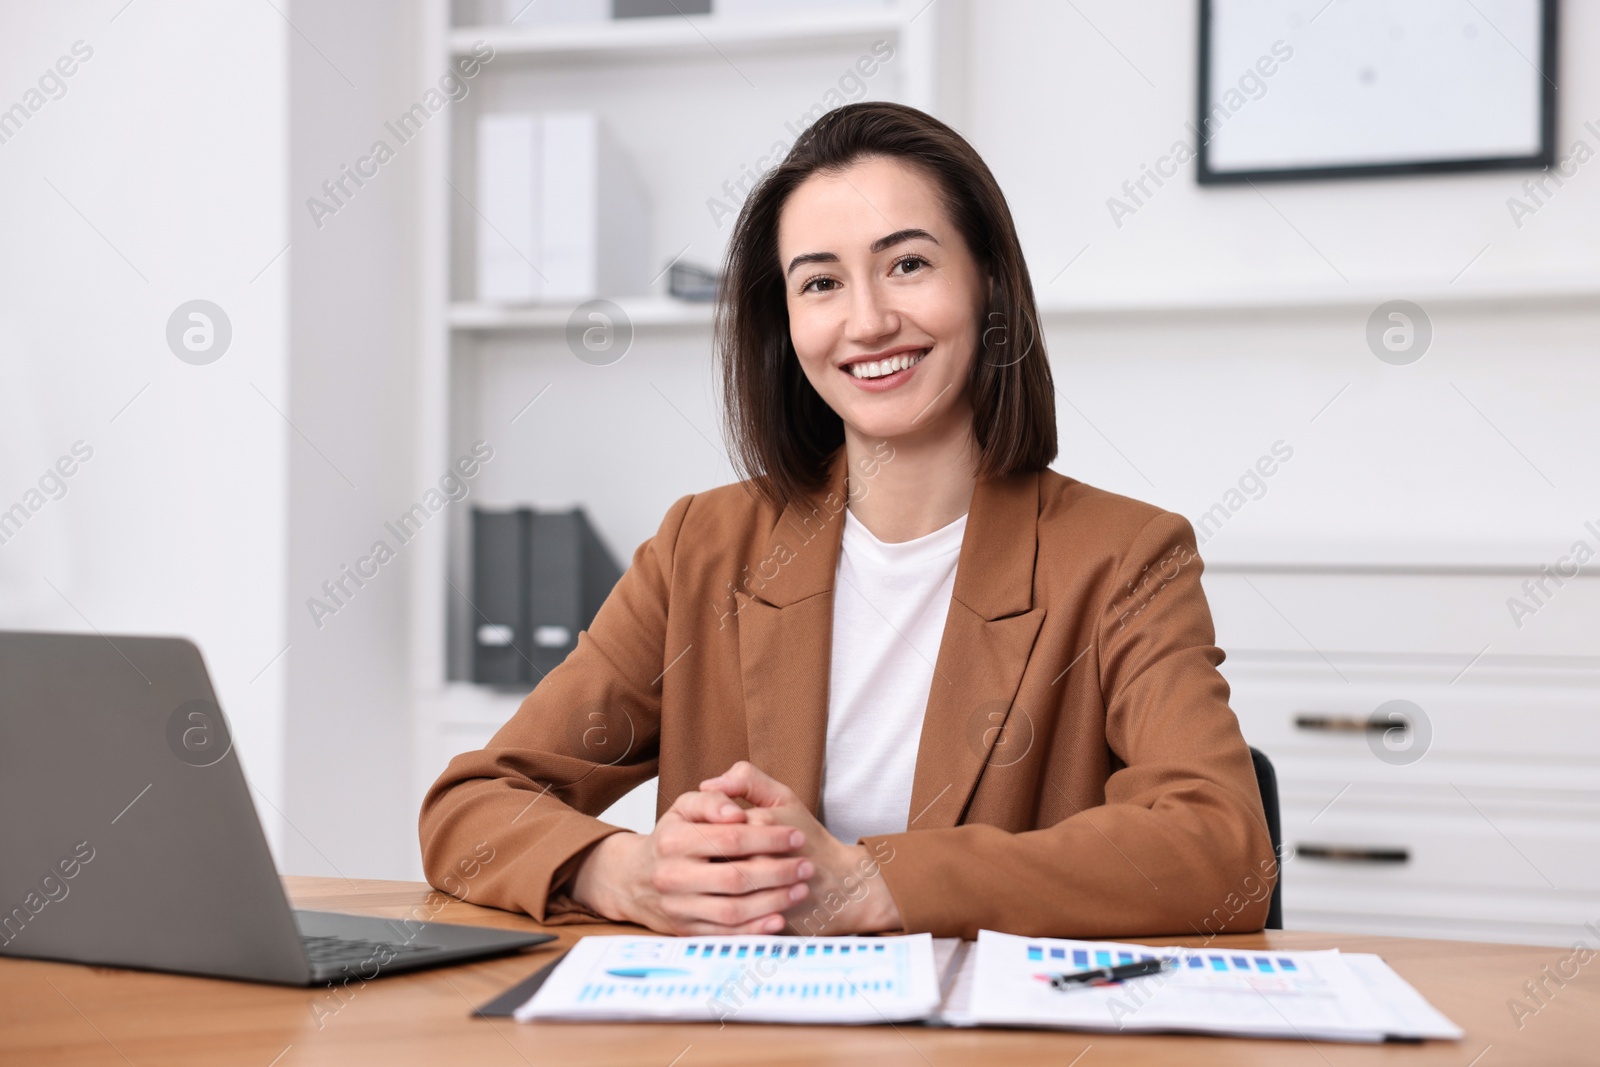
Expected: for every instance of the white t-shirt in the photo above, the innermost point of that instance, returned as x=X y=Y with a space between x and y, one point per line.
x=889 y=607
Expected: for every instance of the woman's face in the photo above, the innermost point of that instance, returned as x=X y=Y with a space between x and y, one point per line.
x=885 y=299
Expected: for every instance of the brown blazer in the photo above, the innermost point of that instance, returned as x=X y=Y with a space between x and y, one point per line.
x=1079 y=771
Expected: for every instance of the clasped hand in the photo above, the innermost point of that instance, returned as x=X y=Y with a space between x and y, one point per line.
x=714 y=866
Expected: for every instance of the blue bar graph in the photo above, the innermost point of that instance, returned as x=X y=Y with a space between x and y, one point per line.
x=1182 y=958
x=656 y=977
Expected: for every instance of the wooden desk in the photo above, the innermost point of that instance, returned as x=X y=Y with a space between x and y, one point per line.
x=69 y=1015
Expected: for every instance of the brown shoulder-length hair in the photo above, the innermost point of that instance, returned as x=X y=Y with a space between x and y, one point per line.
x=780 y=430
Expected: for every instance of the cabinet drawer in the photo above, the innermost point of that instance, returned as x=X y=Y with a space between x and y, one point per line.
x=1367 y=842
x=1384 y=717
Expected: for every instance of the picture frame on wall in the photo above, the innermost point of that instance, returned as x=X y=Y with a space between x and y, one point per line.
x=1314 y=89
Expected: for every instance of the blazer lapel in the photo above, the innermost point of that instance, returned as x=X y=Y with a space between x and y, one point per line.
x=786 y=639
x=988 y=637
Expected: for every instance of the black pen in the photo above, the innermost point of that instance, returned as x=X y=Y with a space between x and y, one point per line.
x=1110 y=974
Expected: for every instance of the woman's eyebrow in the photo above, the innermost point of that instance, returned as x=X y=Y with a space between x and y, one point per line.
x=811 y=257
x=898 y=237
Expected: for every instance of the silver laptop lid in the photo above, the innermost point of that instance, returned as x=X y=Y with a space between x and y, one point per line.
x=128 y=835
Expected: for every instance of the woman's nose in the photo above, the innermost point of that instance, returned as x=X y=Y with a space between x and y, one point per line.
x=871 y=315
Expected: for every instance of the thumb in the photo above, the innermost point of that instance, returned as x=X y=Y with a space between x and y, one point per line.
x=745 y=779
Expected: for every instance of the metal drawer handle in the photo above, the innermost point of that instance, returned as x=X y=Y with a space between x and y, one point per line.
x=1347 y=724
x=1353 y=854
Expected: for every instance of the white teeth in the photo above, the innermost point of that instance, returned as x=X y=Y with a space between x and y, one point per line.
x=882 y=367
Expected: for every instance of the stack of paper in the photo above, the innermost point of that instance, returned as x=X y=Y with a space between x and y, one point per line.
x=999 y=980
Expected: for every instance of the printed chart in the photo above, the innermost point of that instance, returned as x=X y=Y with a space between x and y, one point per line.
x=1262 y=994
x=755 y=979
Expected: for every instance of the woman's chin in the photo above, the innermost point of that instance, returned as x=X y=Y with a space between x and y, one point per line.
x=903 y=420
x=882 y=429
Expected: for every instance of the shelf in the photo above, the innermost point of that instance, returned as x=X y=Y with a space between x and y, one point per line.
x=1558 y=289
x=687 y=33
x=641 y=311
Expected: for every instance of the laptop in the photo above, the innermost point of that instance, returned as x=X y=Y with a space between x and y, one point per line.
x=128 y=837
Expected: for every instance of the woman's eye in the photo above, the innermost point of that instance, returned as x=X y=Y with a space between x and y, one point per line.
x=818 y=285
x=910 y=264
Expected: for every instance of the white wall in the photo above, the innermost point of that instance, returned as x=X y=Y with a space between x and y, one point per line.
x=353 y=361
x=1411 y=464
x=157 y=178
x=1064 y=120
x=190 y=140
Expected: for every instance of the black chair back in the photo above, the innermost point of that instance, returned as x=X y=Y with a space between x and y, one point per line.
x=1267 y=779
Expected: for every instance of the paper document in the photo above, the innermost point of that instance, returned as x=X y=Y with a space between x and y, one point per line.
x=998 y=980
x=1406 y=1012
x=744 y=979
x=1249 y=992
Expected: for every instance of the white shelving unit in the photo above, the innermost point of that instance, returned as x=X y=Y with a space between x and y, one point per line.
x=642 y=312
x=690 y=34
x=628 y=68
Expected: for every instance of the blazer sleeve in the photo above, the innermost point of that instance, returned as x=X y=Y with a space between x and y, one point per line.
x=1180 y=845
x=587 y=734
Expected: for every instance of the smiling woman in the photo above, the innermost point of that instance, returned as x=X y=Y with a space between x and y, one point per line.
x=924 y=709
x=951 y=265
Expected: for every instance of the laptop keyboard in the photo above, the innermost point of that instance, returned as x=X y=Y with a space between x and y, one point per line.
x=353 y=951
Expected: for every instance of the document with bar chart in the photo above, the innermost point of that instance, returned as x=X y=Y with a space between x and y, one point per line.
x=1254 y=993
x=742 y=979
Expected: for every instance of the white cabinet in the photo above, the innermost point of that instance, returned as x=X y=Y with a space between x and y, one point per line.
x=1480 y=818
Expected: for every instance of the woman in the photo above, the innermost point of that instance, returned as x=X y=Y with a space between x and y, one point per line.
x=903 y=677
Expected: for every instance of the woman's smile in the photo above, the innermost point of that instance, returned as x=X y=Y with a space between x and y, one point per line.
x=877 y=372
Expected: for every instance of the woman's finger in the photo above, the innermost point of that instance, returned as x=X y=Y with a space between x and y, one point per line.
x=725 y=911
x=690 y=876
x=726 y=841
x=745 y=779
x=767 y=924
x=707 y=806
